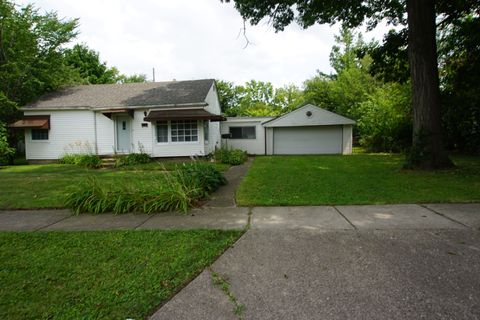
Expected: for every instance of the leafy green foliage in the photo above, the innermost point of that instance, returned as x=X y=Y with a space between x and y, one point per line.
x=257 y=98
x=232 y=157
x=384 y=123
x=101 y=275
x=132 y=159
x=87 y=63
x=351 y=85
x=355 y=179
x=5 y=150
x=460 y=76
x=173 y=191
x=31 y=60
x=204 y=176
x=91 y=161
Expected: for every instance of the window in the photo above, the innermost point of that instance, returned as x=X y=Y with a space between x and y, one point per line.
x=206 y=129
x=162 y=131
x=242 y=132
x=39 y=134
x=184 y=131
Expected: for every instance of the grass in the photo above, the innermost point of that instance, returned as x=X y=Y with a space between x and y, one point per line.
x=356 y=179
x=45 y=186
x=100 y=275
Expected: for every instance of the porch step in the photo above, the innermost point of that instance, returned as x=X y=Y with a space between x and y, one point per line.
x=108 y=162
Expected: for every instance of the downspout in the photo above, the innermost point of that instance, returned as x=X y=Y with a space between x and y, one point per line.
x=95 y=131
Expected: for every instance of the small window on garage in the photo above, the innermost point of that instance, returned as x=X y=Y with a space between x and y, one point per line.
x=39 y=134
x=242 y=133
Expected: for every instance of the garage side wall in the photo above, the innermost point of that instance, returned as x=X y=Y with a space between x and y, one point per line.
x=347 y=139
x=251 y=146
x=269 y=139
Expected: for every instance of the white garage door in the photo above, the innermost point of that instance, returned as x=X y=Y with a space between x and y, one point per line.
x=307 y=140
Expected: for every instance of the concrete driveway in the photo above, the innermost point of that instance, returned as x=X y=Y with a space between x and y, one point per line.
x=355 y=262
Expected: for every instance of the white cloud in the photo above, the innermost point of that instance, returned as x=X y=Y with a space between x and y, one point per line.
x=186 y=39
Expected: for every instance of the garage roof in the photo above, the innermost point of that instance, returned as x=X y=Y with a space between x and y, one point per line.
x=308 y=115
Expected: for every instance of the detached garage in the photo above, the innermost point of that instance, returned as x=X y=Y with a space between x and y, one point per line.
x=307 y=130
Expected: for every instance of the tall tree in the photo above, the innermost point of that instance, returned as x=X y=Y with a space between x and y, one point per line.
x=87 y=62
x=31 y=60
x=427 y=146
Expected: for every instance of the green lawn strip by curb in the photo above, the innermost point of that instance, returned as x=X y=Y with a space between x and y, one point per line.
x=222 y=283
x=101 y=274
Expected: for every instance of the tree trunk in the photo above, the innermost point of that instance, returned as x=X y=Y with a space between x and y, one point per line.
x=428 y=151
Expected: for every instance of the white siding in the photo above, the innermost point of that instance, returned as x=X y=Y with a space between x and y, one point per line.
x=269 y=138
x=70 y=131
x=142 y=135
x=214 y=126
x=105 y=134
x=347 y=139
x=252 y=146
x=178 y=149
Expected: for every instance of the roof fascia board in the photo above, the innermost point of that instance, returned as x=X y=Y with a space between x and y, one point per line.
x=192 y=105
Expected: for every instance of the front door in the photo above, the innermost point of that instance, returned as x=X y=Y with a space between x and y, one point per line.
x=123 y=134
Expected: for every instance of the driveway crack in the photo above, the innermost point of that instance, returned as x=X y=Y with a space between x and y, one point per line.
x=224 y=285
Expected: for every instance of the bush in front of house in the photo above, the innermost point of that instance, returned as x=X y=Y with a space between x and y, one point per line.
x=132 y=159
x=230 y=156
x=85 y=160
x=174 y=191
x=204 y=176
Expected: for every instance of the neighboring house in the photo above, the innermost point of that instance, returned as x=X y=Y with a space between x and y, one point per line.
x=163 y=119
x=306 y=130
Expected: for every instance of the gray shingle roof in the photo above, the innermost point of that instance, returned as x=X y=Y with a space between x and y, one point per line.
x=103 y=96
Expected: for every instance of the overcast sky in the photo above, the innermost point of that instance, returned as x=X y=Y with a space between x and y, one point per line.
x=194 y=39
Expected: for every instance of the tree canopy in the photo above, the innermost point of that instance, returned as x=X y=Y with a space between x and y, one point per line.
x=420 y=19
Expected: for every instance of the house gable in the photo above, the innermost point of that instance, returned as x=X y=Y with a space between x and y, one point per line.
x=309 y=115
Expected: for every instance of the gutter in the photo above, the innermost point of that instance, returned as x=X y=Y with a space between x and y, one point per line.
x=175 y=106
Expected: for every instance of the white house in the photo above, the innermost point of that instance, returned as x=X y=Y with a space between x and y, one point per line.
x=169 y=119
x=306 y=130
x=164 y=119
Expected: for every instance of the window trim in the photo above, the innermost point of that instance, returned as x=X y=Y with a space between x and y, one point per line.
x=183 y=142
x=243 y=137
x=39 y=140
x=168 y=133
x=206 y=133
x=170 y=142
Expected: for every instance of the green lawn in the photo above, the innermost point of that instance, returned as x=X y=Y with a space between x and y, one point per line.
x=355 y=179
x=100 y=275
x=45 y=186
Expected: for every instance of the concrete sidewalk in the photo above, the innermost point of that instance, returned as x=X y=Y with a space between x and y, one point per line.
x=338 y=274
x=369 y=217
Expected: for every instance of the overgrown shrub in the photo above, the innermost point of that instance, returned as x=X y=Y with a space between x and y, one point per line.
x=230 y=156
x=174 y=191
x=132 y=159
x=204 y=176
x=384 y=124
x=85 y=160
x=6 y=151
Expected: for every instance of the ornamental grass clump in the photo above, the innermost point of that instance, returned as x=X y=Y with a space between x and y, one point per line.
x=132 y=159
x=173 y=191
x=232 y=157
x=84 y=160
